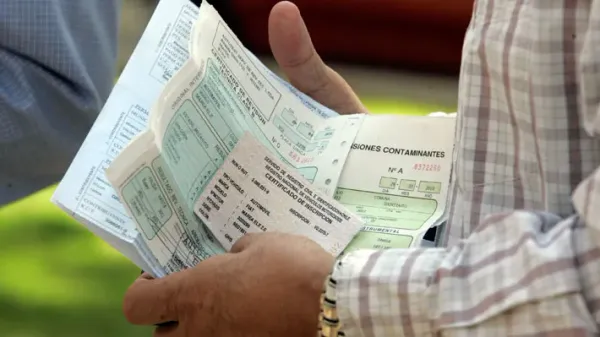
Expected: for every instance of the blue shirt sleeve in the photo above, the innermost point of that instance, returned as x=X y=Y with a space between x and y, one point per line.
x=57 y=67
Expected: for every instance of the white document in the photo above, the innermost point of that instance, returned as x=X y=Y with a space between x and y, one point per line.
x=397 y=178
x=161 y=162
x=256 y=192
x=218 y=95
x=84 y=191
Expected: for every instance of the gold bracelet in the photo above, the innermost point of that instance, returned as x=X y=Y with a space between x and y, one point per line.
x=329 y=322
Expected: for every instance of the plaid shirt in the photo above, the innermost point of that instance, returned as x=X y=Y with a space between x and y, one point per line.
x=523 y=238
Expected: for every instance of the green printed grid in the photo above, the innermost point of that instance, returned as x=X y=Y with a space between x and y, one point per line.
x=147 y=202
x=384 y=216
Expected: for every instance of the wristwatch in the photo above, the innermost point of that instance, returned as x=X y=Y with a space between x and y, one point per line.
x=329 y=322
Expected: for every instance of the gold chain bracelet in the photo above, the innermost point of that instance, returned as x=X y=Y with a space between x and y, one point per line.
x=329 y=322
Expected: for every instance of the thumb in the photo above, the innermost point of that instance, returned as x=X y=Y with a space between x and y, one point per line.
x=296 y=56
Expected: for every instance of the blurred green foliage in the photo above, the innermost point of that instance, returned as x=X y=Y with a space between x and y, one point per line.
x=59 y=280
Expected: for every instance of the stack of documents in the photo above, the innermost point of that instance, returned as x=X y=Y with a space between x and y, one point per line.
x=199 y=143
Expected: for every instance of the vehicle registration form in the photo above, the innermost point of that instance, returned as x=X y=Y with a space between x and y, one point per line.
x=156 y=175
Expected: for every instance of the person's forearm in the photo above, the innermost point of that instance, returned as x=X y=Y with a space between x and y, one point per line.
x=514 y=267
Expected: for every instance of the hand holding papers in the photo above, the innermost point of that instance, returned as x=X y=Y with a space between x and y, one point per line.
x=218 y=95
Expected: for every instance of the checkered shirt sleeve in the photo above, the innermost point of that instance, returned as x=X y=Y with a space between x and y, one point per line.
x=522 y=254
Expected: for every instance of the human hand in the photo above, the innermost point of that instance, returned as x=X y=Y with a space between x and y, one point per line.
x=268 y=285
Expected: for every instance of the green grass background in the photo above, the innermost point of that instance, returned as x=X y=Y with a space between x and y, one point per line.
x=59 y=280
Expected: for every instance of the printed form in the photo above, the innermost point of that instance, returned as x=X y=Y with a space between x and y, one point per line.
x=217 y=96
x=397 y=179
x=256 y=192
x=84 y=192
x=191 y=102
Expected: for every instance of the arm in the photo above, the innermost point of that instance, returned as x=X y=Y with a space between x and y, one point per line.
x=513 y=266
x=57 y=63
x=519 y=273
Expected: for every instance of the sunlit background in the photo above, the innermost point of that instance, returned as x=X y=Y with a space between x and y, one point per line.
x=59 y=280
